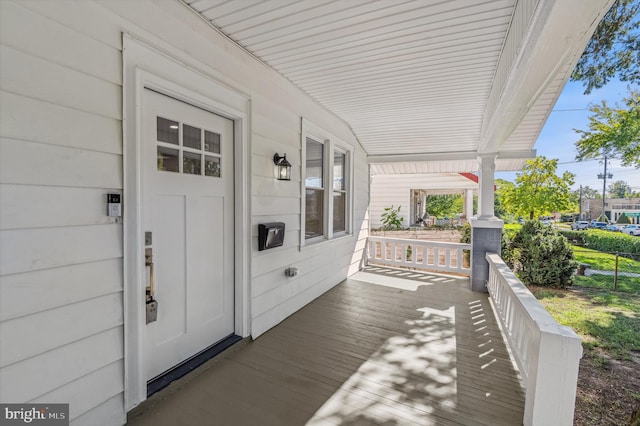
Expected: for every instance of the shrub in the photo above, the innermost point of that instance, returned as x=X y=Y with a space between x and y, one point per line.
x=540 y=256
x=391 y=220
x=465 y=233
x=606 y=241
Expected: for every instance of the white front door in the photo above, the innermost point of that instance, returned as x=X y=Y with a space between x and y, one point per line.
x=187 y=211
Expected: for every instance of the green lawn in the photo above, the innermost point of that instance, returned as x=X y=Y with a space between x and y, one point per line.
x=606 y=262
x=602 y=318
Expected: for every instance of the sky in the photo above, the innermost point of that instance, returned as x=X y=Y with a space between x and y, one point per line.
x=557 y=139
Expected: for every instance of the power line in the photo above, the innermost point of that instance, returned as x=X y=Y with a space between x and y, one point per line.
x=570 y=110
x=580 y=161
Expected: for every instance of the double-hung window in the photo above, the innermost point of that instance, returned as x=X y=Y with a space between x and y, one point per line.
x=327 y=172
x=314 y=190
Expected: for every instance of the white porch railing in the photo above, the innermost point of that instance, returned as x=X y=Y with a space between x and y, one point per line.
x=419 y=254
x=548 y=354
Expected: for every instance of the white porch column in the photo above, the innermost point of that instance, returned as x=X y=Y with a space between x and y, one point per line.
x=486 y=172
x=468 y=203
x=486 y=230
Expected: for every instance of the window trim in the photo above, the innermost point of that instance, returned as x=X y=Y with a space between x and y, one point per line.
x=331 y=144
x=346 y=175
x=325 y=177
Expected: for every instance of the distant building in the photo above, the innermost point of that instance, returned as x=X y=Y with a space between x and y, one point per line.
x=591 y=208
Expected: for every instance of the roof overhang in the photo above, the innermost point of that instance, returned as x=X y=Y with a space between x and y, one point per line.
x=425 y=83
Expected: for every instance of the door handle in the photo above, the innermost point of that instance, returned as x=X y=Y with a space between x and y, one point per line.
x=148 y=261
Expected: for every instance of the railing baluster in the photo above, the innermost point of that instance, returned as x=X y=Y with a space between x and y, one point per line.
x=541 y=347
x=393 y=252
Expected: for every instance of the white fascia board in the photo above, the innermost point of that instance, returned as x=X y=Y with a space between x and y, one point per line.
x=556 y=38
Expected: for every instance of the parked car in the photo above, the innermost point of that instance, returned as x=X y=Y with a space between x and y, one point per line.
x=632 y=230
x=580 y=225
x=614 y=227
x=598 y=225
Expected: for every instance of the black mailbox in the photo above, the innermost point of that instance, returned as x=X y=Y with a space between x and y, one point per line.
x=270 y=235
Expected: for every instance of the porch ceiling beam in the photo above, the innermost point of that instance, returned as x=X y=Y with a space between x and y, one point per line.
x=436 y=156
x=553 y=41
x=448 y=156
x=517 y=155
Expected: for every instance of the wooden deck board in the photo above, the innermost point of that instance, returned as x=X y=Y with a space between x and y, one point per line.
x=386 y=347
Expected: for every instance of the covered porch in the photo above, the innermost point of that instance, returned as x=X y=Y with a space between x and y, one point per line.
x=385 y=347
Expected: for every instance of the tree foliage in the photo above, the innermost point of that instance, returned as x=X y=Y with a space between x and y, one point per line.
x=538 y=190
x=613 y=132
x=443 y=205
x=623 y=219
x=619 y=189
x=614 y=48
x=588 y=192
x=502 y=188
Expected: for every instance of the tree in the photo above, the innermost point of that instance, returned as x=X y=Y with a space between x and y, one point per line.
x=619 y=189
x=588 y=192
x=613 y=50
x=613 y=132
x=502 y=187
x=623 y=219
x=538 y=190
x=443 y=205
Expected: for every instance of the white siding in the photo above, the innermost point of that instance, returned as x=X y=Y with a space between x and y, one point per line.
x=385 y=193
x=61 y=289
x=389 y=189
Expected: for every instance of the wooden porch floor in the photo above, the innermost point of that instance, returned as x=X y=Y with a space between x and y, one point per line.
x=386 y=347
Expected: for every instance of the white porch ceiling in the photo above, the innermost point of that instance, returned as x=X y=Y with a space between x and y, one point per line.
x=438 y=80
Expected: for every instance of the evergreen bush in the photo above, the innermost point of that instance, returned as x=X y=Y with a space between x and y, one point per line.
x=540 y=256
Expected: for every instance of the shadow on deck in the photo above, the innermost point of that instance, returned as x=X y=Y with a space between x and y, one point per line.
x=385 y=347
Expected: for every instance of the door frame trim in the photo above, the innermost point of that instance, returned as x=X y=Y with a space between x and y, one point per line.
x=145 y=66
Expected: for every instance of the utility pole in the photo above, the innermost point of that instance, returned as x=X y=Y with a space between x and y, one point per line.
x=604 y=177
x=580 y=204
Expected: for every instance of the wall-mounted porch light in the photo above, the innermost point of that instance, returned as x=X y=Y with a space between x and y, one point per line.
x=283 y=167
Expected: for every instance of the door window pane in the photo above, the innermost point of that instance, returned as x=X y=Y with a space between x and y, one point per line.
x=313 y=213
x=191 y=137
x=191 y=163
x=211 y=142
x=167 y=130
x=168 y=159
x=339 y=212
x=339 y=160
x=314 y=163
x=211 y=166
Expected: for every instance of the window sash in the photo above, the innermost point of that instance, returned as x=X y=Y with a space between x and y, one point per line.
x=327 y=204
x=314 y=164
x=339 y=211
x=314 y=213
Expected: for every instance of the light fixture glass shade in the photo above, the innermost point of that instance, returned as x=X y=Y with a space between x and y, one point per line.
x=283 y=171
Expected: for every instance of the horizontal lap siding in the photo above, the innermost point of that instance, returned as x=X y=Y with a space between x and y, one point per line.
x=321 y=266
x=386 y=193
x=61 y=307
x=61 y=152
